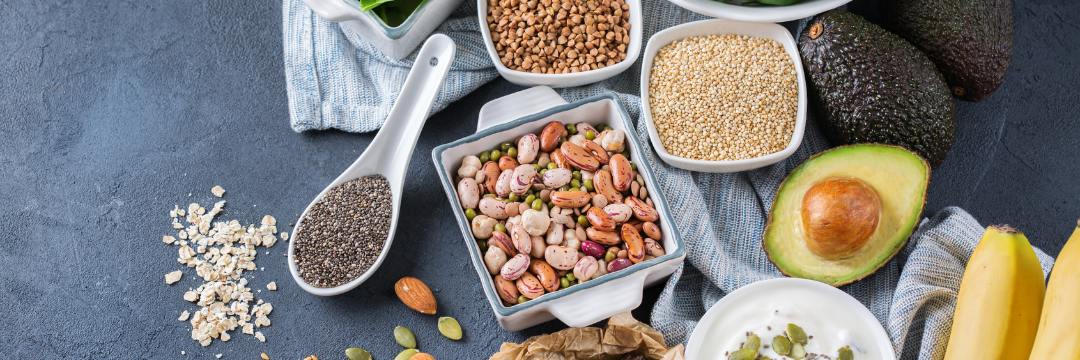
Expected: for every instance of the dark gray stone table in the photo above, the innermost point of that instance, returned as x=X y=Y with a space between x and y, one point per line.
x=112 y=112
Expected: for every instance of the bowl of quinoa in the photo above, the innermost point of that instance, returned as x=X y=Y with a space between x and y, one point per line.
x=723 y=96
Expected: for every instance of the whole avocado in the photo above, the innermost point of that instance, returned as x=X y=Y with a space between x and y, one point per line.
x=870 y=86
x=969 y=40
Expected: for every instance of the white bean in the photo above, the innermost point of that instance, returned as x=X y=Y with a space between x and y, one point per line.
x=555 y=234
x=494 y=258
x=483 y=226
x=535 y=222
x=469 y=166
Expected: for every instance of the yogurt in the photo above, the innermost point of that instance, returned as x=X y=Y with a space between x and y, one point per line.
x=831 y=318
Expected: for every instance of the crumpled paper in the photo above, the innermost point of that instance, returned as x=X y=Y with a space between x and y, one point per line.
x=623 y=338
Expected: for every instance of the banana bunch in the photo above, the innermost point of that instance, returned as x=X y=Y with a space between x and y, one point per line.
x=1004 y=310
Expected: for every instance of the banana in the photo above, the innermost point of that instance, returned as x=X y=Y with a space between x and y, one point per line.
x=1059 y=335
x=1001 y=294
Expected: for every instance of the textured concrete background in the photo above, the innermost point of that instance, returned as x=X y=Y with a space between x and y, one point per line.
x=114 y=111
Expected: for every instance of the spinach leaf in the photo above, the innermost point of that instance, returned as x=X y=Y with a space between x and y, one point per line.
x=367 y=5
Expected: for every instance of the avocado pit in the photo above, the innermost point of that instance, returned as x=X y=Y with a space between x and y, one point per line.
x=839 y=215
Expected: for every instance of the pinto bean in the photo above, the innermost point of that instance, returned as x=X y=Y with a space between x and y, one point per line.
x=551 y=136
x=528 y=146
x=622 y=174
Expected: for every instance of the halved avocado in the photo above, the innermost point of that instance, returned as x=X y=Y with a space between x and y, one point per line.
x=845 y=212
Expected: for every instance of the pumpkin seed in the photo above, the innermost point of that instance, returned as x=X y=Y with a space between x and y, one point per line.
x=743 y=354
x=406 y=354
x=798 y=351
x=752 y=342
x=404 y=337
x=845 y=353
x=781 y=345
x=796 y=334
x=355 y=353
x=450 y=328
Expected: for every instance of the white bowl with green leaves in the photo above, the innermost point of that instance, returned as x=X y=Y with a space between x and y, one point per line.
x=395 y=27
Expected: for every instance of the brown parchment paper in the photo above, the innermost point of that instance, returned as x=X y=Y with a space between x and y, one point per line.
x=623 y=337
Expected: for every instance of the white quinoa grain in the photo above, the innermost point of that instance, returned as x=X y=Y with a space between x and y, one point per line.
x=723 y=97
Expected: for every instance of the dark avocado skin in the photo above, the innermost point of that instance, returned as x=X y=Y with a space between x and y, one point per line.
x=870 y=86
x=969 y=40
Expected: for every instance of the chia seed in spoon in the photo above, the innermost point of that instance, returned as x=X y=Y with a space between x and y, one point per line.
x=344 y=232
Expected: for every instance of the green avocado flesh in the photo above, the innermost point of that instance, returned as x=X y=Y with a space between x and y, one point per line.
x=897 y=175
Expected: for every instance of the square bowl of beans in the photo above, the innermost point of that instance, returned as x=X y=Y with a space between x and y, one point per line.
x=558 y=210
x=561 y=43
x=723 y=96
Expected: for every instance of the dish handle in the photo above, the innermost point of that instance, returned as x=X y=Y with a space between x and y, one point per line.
x=602 y=302
x=517 y=105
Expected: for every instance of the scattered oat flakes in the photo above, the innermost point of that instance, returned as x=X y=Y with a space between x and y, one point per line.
x=173 y=277
x=311 y=357
x=182 y=352
x=217 y=190
x=259 y=336
x=272 y=286
x=263 y=356
x=184 y=315
x=217 y=356
x=221 y=252
x=284 y=235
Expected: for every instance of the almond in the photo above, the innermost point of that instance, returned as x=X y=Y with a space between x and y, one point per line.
x=416 y=295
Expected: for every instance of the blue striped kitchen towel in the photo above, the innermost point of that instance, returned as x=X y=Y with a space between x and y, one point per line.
x=339 y=82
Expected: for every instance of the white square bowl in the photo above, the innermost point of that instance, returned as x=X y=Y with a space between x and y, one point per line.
x=524 y=78
x=594 y=300
x=717 y=27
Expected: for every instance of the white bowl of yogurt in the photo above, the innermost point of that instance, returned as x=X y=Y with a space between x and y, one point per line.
x=830 y=316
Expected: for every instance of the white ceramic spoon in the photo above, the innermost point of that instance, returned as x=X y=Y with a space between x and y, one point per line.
x=389 y=153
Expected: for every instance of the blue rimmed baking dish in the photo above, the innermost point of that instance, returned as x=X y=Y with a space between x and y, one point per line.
x=507 y=118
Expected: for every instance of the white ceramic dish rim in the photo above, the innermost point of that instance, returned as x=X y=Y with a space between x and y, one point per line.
x=633 y=50
x=474 y=252
x=844 y=301
x=710 y=27
x=775 y=14
x=351 y=10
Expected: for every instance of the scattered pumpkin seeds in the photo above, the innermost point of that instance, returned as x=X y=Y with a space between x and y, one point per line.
x=450 y=328
x=355 y=353
x=406 y=354
x=781 y=345
x=796 y=334
x=752 y=342
x=744 y=354
x=798 y=351
x=845 y=353
x=404 y=337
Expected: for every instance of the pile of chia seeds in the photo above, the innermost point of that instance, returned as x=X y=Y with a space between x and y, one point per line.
x=344 y=232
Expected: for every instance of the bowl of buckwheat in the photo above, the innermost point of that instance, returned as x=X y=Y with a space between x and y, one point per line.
x=560 y=43
x=723 y=96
